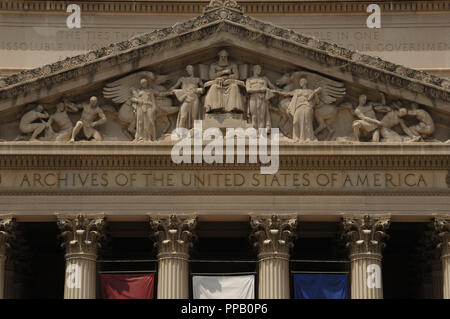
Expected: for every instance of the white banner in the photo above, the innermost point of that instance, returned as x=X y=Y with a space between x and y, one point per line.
x=223 y=287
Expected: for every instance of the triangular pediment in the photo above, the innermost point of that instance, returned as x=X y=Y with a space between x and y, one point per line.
x=249 y=41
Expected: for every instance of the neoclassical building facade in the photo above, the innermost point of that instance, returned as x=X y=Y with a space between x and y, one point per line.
x=223 y=142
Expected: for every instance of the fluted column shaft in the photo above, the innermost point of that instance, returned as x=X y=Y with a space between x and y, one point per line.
x=366 y=278
x=365 y=237
x=446 y=275
x=442 y=227
x=173 y=276
x=173 y=237
x=436 y=279
x=82 y=234
x=273 y=276
x=80 y=280
x=273 y=235
x=7 y=227
x=2 y=271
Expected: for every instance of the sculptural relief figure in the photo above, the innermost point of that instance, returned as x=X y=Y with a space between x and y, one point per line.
x=368 y=123
x=121 y=91
x=390 y=120
x=326 y=110
x=144 y=105
x=61 y=119
x=425 y=127
x=88 y=121
x=223 y=94
x=28 y=125
x=188 y=95
x=260 y=94
x=301 y=108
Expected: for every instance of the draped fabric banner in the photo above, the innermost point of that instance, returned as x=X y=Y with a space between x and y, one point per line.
x=223 y=287
x=320 y=286
x=127 y=286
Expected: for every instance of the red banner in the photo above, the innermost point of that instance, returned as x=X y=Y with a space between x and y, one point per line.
x=127 y=286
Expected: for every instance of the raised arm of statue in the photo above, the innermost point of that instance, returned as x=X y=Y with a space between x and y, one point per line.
x=70 y=106
x=314 y=93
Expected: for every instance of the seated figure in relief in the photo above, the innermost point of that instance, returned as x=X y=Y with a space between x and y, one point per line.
x=187 y=90
x=61 y=119
x=28 y=125
x=393 y=118
x=91 y=111
x=223 y=94
x=368 y=124
x=425 y=127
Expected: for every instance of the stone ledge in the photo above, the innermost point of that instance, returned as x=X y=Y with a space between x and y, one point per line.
x=164 y=147
x=229 y=208
x=248 y=6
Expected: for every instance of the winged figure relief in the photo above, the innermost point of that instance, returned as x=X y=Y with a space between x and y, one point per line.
x=330 y=96
x=121 y=92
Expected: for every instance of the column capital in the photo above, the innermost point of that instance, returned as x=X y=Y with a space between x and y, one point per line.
x=7 y=228
x=365 y=234
x=173 y=234
x=81 y=233
x=442 y=229
x=273 y=234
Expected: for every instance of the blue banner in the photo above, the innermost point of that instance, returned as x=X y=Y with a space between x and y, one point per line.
x=320 y=286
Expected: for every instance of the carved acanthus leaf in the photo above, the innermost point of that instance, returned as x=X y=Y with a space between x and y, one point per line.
x=7 y=230
x=173 y=233
x=81 y=233
x=442 y=228
x=366 y=234
x=273 y=233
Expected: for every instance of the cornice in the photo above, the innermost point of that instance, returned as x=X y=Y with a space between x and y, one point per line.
x=164 y=147
x=249 y=7
x=361 y=65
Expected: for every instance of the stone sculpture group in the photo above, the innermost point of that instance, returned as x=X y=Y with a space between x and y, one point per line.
x=301 y=100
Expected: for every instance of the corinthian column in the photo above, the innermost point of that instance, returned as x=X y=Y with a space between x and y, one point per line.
x=81 y=234
x=273 y=236
x=365 y=238
x=7 y=226
x=173 y=237
x=442 y=227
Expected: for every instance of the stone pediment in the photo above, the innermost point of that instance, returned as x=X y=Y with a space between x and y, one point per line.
x=248 y=41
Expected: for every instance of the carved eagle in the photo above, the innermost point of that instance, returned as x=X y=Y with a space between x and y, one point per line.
x=119 y=91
